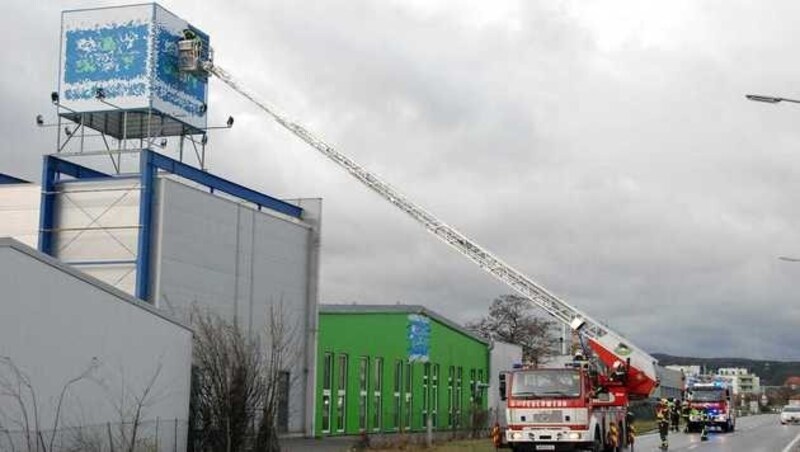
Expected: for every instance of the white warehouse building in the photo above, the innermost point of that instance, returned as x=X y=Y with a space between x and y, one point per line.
x=211 y=246
x=65 y=332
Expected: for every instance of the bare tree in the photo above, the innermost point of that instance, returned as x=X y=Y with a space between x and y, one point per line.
x=6 y=438
x=124 y=433
x=131 y=407
x=281 y=352
x=512 y=319
x=17 y=386
x=236 y=382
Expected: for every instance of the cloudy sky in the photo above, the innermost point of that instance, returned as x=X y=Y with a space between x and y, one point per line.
x=603 y=148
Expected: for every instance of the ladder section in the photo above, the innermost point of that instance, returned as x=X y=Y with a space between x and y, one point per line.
x=612 y=346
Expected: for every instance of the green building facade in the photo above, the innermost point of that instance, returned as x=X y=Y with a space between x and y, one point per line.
x=388 y=368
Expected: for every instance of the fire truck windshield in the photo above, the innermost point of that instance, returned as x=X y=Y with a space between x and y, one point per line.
x=708 y=395
x=546 y=383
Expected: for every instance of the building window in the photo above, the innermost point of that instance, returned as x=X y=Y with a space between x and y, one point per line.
x=426 y=376
x=363 y=381
x=472 y=387
x=408 y=399
x=398 y=388
x=435 y=395
x=481 y=387
x=377 y=394
x=459 y=395
x=327 y=382
x=451 y=395
x=341 y=394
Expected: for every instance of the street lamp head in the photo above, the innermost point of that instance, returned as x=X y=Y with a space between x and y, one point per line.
x=788 y=259
x=765 y=99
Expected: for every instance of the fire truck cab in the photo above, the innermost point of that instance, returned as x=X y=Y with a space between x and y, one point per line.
x=562 y=409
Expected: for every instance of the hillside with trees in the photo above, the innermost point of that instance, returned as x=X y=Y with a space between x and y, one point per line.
x=771 y=372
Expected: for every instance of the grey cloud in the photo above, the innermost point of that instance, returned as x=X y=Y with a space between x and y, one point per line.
x=630 y=178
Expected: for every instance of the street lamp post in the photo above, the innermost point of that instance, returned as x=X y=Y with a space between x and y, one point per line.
x=774 y=100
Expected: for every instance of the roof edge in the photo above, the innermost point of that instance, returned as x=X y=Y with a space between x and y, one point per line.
x=398 y=309
x=7 y=179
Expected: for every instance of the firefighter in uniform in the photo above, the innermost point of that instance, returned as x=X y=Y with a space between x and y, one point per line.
x=497 y=436
x=685 y=411
x=662 y=418
x=675 y=415
x=631 y=429
x=705 y=419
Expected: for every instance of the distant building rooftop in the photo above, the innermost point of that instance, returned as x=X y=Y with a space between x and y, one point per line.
x=792 y=381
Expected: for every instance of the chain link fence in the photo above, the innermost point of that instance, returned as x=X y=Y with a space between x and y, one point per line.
x=158 y=435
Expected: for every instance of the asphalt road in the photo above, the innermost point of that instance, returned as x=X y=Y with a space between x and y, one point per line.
x=763 y=433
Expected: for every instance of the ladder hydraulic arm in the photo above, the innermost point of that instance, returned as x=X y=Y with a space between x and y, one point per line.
x=610 y=347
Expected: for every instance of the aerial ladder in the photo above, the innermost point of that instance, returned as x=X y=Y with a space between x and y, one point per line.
x=609 y=346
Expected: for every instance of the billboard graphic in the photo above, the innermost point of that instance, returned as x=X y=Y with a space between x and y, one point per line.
x=131 y=53
x=116 y=55
x=178 y=94
x=419 y=338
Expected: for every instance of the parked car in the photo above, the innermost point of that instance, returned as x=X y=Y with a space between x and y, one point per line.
x=790 y=414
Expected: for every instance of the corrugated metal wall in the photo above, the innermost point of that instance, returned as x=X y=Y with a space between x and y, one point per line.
x=219 y=254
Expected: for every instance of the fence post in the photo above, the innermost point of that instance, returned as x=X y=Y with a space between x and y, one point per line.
x=429 y=427
x=110 y=438
x=175 y=437
x=157 y=420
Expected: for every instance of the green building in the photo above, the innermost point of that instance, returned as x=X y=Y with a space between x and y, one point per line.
x=387 y=368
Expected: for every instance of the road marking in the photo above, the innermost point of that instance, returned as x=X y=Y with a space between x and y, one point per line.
x=693 y=446
x=792 y=444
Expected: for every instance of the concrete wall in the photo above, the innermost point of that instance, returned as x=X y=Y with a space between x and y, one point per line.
x=502 y=357
x=222 y=255
x=57 y=322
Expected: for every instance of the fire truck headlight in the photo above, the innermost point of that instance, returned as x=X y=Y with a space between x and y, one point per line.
x=516 y=435
x=574 y=435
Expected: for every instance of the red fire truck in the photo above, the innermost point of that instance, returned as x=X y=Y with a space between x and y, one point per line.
x=715 y=398
x=582 y=405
